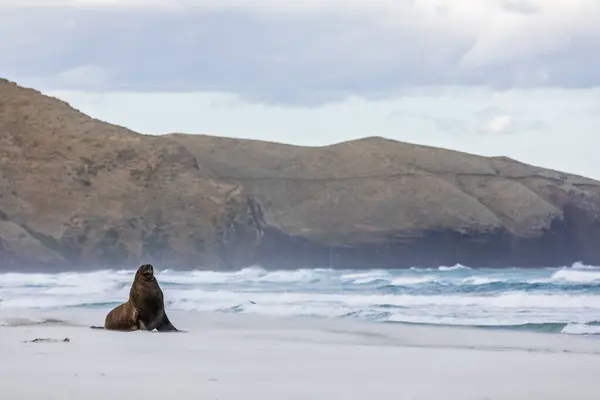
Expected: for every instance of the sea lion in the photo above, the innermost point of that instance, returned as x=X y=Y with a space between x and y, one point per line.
x=145 y=309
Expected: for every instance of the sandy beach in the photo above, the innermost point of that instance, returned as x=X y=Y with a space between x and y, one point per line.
x=230 y=357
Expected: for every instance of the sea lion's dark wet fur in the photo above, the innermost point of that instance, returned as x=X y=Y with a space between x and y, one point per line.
x=145 y=309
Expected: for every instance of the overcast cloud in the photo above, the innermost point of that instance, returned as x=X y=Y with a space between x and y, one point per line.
x=302 y=52
x=511 y=77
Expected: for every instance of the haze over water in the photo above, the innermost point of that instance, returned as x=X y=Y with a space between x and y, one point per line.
x=565 y=300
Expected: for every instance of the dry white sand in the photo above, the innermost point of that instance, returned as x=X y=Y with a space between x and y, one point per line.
x=230 y=357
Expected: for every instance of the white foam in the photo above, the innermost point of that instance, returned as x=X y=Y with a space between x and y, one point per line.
x=361 y=278
x=414 y=280
x=246 y=275
x=519 y=302
x=297 y=276
x=581 y=329
x=380 y=294
x=480 y=280
x=579 y=265
x=576 y=276
x=453 y=268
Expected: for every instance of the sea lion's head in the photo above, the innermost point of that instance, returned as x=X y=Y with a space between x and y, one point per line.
x=146 y=272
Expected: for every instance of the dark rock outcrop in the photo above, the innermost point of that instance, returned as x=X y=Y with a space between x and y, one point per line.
x=80 y=193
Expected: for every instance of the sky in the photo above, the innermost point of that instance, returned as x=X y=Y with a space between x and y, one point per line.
x=518 y=78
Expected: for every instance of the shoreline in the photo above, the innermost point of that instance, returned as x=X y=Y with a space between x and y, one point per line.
x=251 y=357
x=46 y=317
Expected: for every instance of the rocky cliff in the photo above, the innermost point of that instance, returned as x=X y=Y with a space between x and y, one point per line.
x=81 y=193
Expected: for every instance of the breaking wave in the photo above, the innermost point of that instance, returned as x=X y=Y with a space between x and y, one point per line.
x=565 y=300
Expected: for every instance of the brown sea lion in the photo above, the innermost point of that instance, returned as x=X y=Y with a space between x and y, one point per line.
x=145 y=309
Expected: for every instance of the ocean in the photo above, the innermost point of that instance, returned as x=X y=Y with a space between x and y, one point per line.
x=554 y=300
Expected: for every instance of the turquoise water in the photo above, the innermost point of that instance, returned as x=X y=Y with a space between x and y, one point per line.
x=562 y=300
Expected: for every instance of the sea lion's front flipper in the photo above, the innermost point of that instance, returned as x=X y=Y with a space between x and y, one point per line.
x=96 y=327
x=166 y=326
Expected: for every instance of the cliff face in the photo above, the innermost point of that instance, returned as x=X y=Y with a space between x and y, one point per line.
x=79 y=192
x=83 y=193
x=380 y=203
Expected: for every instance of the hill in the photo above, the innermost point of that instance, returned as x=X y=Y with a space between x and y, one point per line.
x=76 y=192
